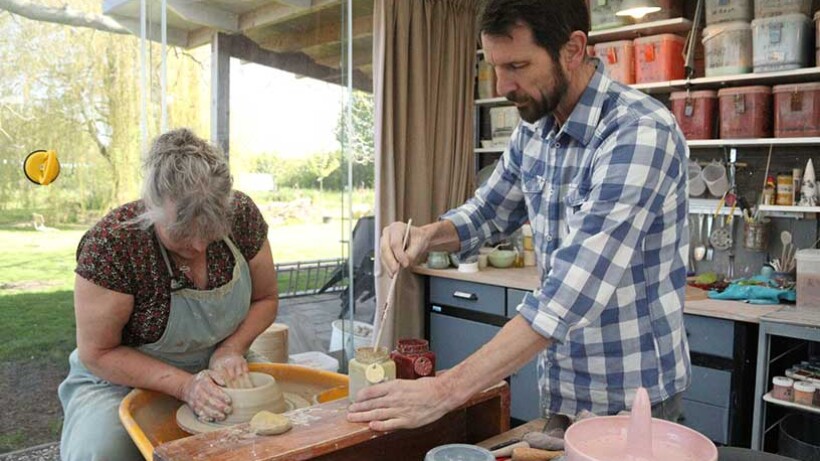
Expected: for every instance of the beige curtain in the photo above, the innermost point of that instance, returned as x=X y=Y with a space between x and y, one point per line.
x=424 y=61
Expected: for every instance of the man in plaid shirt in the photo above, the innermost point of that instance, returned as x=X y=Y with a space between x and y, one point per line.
x=599 y=170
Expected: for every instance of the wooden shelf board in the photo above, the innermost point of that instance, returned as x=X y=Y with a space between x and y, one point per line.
x=789 y=209
x=665 y=26
x=762 y=142
x=489 y=150
x=808 y=74
x=811 y=409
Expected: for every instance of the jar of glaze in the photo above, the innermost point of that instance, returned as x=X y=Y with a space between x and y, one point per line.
x=414 y=359
x=783 y=388
x=803 y=392
x=369 y=367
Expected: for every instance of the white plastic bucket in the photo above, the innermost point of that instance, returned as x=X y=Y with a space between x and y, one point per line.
x=362 y=334
x=315 y=359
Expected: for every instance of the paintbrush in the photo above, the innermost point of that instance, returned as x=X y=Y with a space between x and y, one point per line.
x=392 y=289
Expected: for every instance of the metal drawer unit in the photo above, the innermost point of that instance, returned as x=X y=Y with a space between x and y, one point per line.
x=462 y=317
x=514 y=298
x=719 y=397
x=477 y=297
x=710 y=336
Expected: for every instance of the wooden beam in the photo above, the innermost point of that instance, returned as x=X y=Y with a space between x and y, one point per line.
x=297 y=3
x=334 y=60
x=199 y=37
x=205 y=15
x=320 y=34
x=278 y=12
x=176 y=37
x=221 y=91
x=297 y=63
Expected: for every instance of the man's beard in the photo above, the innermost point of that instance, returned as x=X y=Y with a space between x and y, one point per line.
x=531 y=109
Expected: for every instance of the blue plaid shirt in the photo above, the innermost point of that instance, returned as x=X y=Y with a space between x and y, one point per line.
x=606 y=197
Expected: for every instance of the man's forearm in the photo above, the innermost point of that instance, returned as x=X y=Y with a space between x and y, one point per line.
x=515 y=345
x=442 y=236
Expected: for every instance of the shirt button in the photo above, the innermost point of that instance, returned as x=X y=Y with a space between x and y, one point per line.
x=549 y=237
x=557 y=145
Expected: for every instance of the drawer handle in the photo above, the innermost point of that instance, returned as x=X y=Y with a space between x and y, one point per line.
x=464 y=295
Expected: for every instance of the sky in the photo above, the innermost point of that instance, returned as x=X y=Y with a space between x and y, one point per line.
x=275 y=111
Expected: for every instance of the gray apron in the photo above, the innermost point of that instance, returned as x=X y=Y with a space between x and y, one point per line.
x=197 y=322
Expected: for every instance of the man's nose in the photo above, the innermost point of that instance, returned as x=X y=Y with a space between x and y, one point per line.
x=504 y=85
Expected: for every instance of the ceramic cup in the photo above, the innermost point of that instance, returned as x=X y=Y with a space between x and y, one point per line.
x=714 y=175
x=438 y=260
x=483 y=260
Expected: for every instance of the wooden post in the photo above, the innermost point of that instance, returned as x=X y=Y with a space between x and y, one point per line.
x=220 y=91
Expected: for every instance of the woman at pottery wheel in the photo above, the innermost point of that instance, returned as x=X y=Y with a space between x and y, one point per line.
x=170 y=292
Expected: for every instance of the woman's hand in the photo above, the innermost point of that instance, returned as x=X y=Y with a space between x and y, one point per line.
x=233 y=367
x=202 y=393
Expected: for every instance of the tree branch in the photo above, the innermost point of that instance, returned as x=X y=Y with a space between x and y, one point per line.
x=65 y=15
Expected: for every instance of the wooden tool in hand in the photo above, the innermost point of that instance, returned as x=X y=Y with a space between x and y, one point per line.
x=392 y=289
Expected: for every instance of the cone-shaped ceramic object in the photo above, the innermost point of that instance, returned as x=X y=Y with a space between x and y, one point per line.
x=637 y=437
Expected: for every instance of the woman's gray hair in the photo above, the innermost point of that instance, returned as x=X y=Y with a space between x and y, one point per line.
x=192 y=175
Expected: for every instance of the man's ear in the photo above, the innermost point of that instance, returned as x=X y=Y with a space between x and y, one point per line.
x=574 y=52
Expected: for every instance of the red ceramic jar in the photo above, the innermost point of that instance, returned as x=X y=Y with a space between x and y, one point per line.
x=414 y=359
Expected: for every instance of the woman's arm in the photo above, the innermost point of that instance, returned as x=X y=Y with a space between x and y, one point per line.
x=101 y=316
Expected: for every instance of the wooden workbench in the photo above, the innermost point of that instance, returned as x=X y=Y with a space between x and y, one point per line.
x=322 y=432
x=526 y=278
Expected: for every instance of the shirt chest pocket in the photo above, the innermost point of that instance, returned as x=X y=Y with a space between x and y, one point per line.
x=572 y=200
x=534 y=187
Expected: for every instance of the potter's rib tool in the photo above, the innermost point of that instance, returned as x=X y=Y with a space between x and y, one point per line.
x=392 y=289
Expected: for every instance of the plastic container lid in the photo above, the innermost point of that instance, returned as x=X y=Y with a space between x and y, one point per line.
x=803 y=386
x=796 y=87
x=809 y=256
x=782 y=381
x=793 y=17
x=613 y=44
x=459 y=452
x=659 y=37
x=745 y=90
x=692 y=94
x=714 y=30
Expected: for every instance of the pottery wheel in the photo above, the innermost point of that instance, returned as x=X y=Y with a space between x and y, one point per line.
x=188 y=422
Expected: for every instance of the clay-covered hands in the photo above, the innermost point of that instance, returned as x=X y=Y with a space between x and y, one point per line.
x=401 y=404
x=202 y=393
x=233 y=367
x=391 y=249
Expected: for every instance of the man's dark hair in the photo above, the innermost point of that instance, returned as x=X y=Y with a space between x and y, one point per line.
x=551 y=21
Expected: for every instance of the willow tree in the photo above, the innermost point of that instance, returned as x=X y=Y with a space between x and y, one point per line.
x=75 y=88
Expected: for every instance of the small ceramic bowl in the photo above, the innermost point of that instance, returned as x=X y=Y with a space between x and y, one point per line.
x=502 y=258
x=438 y=260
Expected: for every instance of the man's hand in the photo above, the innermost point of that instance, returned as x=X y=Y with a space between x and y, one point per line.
x=392 y=253
x=401 y=404
x=233 y=366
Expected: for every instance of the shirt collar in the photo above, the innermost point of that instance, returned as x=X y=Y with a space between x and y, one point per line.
x=584 y=117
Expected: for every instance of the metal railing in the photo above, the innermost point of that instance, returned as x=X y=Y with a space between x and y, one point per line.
x=304 y=278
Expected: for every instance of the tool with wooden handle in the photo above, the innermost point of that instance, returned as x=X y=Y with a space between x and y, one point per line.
x=392 y=289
